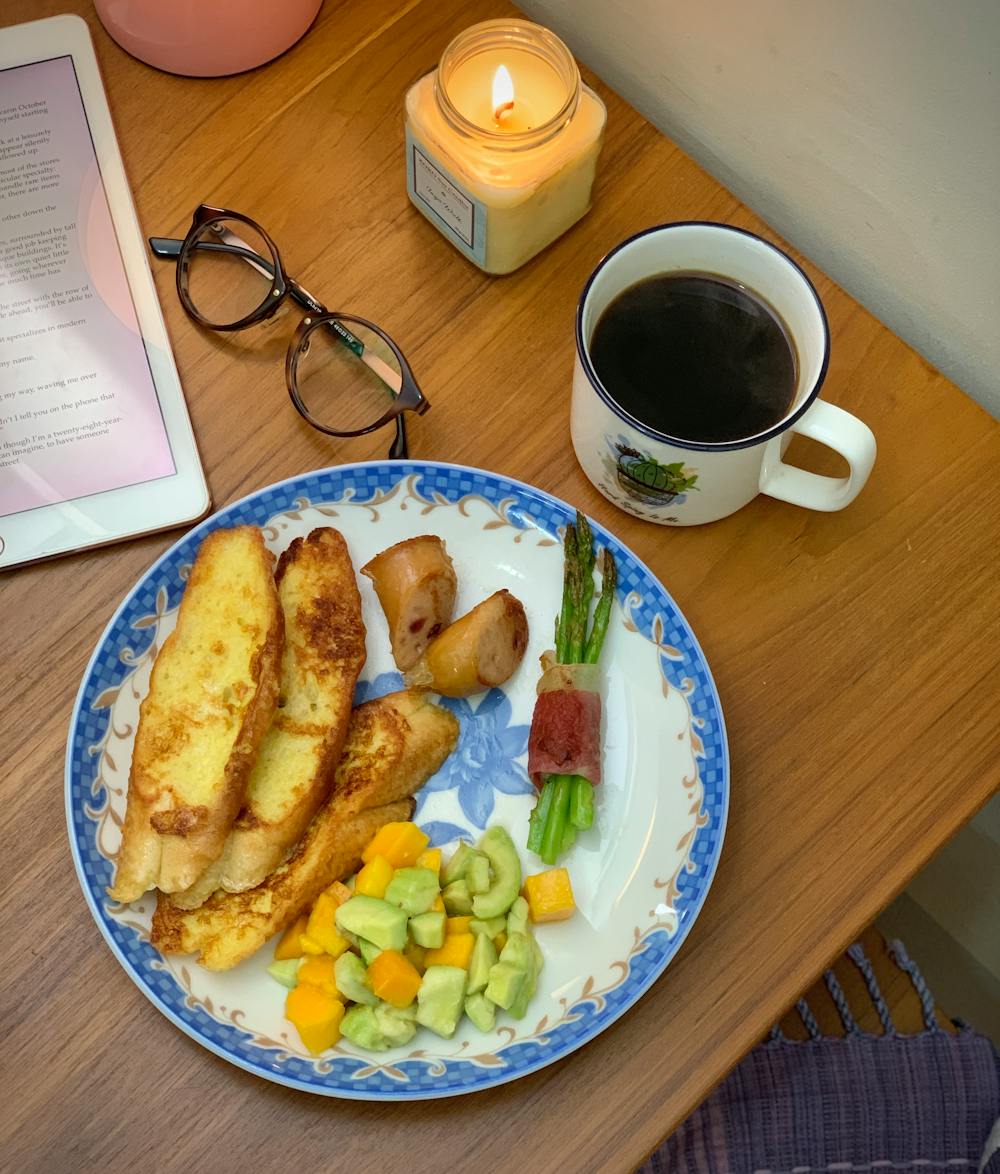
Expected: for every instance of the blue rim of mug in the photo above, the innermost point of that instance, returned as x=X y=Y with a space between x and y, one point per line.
x=698 y=445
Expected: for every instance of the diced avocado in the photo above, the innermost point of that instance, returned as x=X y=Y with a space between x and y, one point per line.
x=286 y=972
x=518 y=1009
x=491 y=927
x=396 y=1029
x=427 y=929
x=457 y=899
x=455 y=868
x=352 y=979
x=506 y=981
x=517 y=918
x=369 y=951
x=413 y=890
x=408 y=1013
x=360 y=1026
x=440 y=1000
x=374 y=920
x=484 y=955
x=518 y=953
x=481 y=1011
x=477 y=875
x=506 y=864
x=350 y=938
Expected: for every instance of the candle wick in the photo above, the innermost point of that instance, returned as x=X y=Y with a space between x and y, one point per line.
x=503 y=110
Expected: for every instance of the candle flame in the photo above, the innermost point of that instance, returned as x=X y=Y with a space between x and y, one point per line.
x=503 y=93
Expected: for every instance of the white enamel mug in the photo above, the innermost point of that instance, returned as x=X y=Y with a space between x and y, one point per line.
x=679 y=482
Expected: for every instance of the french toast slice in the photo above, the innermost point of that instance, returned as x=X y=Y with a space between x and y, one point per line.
x=394 y=744
x=324 y=654
x=212 y=695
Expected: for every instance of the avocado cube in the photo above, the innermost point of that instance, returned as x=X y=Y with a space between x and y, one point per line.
x=517 y=918
x=286 y=972
x=457 y=899
x=352 y=979
x=413 y=890
x=477 y=875
x=499 y=849
x=481 y=1011
x=484 y=956
x=369 y=951
x=491 y=927
x=396 y=1029
x=360 y=1026
x=441 y=999
x=518 y=953
x=506 y=981
x=455 y=868
x=374 y=920
x=519 y=1008
x=428 y=929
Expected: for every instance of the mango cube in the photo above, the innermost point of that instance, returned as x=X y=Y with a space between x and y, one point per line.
x=318 y=971
x=316 y=1016
x=456 y=951
x=289 y=944
x=456 y=925
x=438 y=905
x=373 y=879
x=550 y=895
x=400 y=843
x=322 y=930
x=430 y=858
x=394 y=978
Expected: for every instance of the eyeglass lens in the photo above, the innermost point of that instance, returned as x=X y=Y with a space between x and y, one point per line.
x=230 y=271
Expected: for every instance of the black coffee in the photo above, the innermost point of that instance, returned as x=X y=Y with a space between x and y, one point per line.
x=696 y=356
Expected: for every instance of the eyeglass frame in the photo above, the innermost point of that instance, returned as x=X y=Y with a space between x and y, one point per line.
x=407 y=397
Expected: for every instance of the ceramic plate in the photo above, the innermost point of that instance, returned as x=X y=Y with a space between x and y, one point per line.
x=640 y=875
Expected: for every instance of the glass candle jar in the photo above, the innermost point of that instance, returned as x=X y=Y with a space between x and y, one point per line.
x=502 y=142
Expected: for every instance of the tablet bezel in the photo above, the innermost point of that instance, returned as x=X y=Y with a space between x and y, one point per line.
x=116 y=514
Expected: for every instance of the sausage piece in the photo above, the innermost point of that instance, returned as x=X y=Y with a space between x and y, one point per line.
x=476 y=652
x=415 y=584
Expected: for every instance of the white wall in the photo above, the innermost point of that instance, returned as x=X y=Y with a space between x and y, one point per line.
x=867 y=132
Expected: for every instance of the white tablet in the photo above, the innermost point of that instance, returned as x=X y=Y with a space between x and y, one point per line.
x=95 y=440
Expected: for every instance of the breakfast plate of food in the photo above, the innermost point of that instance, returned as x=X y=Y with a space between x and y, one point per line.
x=396 y=780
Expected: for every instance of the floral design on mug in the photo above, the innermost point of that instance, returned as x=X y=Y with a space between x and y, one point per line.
x=644 y=478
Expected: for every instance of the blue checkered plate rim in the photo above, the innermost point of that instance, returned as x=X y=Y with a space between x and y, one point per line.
x=650 y=611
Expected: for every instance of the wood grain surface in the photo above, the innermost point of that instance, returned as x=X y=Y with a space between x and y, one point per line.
x=857 y=654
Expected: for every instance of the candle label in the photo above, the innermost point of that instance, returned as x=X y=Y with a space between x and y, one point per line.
x=460 y=216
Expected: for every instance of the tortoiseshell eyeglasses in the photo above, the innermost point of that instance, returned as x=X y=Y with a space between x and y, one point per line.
x=345 y=375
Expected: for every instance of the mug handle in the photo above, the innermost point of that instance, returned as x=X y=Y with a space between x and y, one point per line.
x=838 y=430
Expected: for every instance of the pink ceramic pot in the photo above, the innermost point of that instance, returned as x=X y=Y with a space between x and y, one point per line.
x=206 y=38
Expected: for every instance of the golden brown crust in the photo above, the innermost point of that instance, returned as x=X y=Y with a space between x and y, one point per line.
x=324 y=654
x=167 y=839
x=394 y=745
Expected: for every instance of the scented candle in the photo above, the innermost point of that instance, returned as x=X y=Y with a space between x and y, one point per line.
x=502 y=142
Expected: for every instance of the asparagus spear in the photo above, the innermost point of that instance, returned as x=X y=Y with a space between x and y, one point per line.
x=566 y=802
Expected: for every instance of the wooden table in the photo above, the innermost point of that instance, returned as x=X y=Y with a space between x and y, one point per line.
x=857 y=654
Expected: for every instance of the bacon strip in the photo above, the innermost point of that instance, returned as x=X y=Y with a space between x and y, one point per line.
x=565 y=733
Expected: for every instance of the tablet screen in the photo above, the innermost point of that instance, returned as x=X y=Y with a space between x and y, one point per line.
x=79 y=413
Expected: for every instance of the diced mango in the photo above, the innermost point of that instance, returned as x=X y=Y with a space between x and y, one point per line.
x=340 y=892
x=400 y=843
x=438 y=905
x=500 y=941
x=550 y=895
x=310 y=945
x=373 y=879
x=316 y=1016
x=417 y=955
x=394 y=978
x=289 y=944
x=456 y=951
x=322 y=927
x=318 y=970
x=456 y=925
x=430 y=858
